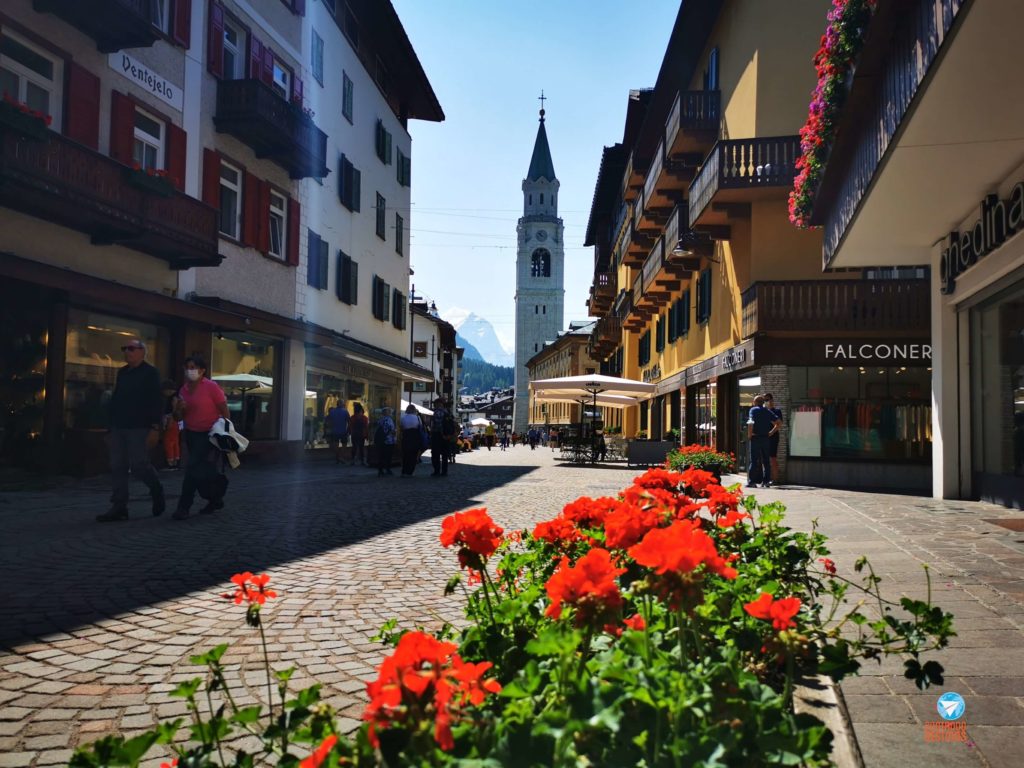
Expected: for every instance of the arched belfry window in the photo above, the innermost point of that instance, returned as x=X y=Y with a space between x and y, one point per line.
x=540 y=265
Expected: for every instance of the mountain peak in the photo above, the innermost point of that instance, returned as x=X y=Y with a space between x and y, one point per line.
x=479 y=332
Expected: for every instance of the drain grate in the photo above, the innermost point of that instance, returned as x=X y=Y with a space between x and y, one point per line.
x=1011 y=523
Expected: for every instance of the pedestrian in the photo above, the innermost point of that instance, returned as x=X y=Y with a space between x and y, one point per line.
x=411 y=441
x=442 y=430
x=553 y=438
x=761 y=425
x=600 y=447
x=358 y=427
x=769 y=403
x=384 y=442
x=504 y=439
x=201 y=403
x=136 y=411
x=171 y=437
x=337 y=426
x=489 y=435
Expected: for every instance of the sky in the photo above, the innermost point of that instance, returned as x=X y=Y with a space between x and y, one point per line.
x=488 y=61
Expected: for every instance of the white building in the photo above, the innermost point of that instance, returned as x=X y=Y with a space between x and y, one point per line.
x=540 y=267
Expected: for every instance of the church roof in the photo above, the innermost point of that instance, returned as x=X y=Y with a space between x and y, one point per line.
x=541 y=166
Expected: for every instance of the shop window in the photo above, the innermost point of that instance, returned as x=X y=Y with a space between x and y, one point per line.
x=245 y=365
x=30 y=75
x=230 y=200
x=278 y=224
x=93 y=358
x=24 y=316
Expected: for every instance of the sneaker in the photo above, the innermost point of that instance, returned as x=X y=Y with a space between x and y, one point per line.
x=180 y=514
x=211 y=507
x=767 y=485
x=751 y=485
x=159 y=504
x=115 y=514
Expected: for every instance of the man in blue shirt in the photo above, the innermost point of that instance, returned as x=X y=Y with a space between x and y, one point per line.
x=761 y=425
x=337 y=425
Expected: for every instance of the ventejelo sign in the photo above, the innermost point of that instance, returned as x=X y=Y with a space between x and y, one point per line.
x=1000 y=220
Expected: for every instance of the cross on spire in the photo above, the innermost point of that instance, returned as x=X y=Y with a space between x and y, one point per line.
x=542 y=98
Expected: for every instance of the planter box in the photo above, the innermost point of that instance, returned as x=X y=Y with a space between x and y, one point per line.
x=13 y=119
x=647 y=452
x=155 y=185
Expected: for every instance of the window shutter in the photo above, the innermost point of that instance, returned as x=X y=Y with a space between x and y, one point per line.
x=385 y=301
x=312 y=258
x=356 y=188
x=294 y=211
x=215 y=41
x=122 y=127
x=181 y=24
x=250 y=209
x=255 y=58
x=323 y=266
x=342 y=182
x=353 y=282
x=268 y=65
x=82 y=119
x=263 y=228
x=297 y=90
x=177 y=146
x=211 y=178
x=375 y=298
x=299 y=7
x=341 y=278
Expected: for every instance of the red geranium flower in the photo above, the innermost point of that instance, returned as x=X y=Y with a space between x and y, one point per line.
x=316 y=759
x=252 y=589
x=589 y=587
x=829 y=565
x=628 y=524
x=730 y=518
x=586 y=512
x=636 y=622
x=173 y=762
x=475 y=533
x=559 y=532
x=779 y=612
x=681 y=548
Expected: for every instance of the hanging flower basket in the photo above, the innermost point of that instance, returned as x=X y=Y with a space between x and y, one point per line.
x=18 y=118
x=154 y=182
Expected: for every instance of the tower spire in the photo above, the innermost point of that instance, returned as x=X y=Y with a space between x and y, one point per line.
x=541 y=166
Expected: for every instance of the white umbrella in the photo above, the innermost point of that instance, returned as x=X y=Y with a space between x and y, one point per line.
x=591 y=385
x=243 y=381
x=611 y=401
x=419 y=408
x=480 y=423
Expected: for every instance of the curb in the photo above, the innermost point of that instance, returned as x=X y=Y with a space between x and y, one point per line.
x=819 y=695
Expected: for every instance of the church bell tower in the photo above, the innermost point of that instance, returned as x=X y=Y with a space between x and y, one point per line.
x=540 y=269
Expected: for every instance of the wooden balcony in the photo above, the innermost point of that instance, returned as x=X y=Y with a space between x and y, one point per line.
x=638 y=244
x=738 y=172
x=606 y=336
x=274 y=127
x=692 y=124
x=897 y=307
x=113 y=24
x=61 y=181
x=602 y=293
x=632 y=181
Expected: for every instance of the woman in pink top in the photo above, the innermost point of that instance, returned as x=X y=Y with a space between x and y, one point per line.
x=200 y=402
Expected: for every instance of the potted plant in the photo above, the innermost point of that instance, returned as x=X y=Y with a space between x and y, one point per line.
x=641 y=434
x=152 y=180
x=21 y=119
x=701 y=457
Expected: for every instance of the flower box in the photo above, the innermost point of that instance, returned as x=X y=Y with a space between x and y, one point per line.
x=150 y=182
x=17 y=118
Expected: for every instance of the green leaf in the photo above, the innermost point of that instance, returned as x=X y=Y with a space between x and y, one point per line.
x=187 y=689
x=285 y=675
x=247 y=715
x=452 y=584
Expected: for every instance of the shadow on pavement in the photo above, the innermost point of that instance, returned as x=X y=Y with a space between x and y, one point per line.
x=62 y=570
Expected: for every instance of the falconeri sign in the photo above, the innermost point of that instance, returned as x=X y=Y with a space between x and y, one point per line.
x=894 y=352
x=1000 y=220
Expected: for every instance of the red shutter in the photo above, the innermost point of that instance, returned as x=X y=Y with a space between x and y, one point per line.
x=177 y=142
x=82 y=116
x=250 y=209
x=263 y=232
x=181 y=24
x=299 y=6
x=268 y=65
x=215 y=41
x=297 y=90
x=211 y=178
x=255 y=58
x=294 y=210
x=122 y=127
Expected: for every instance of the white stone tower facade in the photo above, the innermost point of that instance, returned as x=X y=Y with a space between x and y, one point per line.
x=540 y=270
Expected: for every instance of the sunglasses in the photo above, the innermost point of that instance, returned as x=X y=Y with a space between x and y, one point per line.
x=128 y=349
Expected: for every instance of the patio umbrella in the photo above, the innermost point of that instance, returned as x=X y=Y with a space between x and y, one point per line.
x=243 y=381
x=480 y=422
x=591 y=386
x=611 y=401
x=419 y=408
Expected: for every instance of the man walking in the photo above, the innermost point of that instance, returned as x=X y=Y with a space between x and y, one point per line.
x=761 y=425
x=337 y=422
x=442 y=427
x=136 y=410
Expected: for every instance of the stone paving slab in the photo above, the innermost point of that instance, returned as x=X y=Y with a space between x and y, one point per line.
x=101 y=619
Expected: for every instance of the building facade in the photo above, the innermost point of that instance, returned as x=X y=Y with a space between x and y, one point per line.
x=540 y=269
x=955 y=178
x=177 y=186
x=566 y=355
x=433 y=347
x=703 y=287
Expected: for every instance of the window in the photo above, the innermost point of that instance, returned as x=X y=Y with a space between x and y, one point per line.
x=399 y=234
x=160 y=14
x=253 y=409
x=540 y=264
x=282 y=80
x=383 y=143
x=659 y=334
x=278 y=221
x=704 y=296
x=404 y=169
x=148 y=145
x=234 y=51
x=381 y=299
x=30 y=76
x=317 y=55
x=542 y=198
x=351 y=27
x=381 y=212
x=230 y=200
x=347 y=90
x=544 y=309
x=317 y=265
x=380 y=75
x=419 y=349
x=349 y=183
x=536 y=309
x=644 y=349
x=398 y=309
x=348 y=279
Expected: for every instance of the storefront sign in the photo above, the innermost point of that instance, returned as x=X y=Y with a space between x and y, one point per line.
x=887 y=352
x=651 y=374
x=734 y=358
x=147 y=79
x=1000 y=220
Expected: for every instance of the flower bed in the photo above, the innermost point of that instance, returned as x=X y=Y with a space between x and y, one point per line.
x=155 y=181
x=663 y=627
x=701 y=457
x=22 y=119
x=834 y=61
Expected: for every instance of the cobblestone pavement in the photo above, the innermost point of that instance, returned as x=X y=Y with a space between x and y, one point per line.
x=100 y=620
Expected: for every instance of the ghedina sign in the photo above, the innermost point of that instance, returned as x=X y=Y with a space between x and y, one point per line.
x=999 y=221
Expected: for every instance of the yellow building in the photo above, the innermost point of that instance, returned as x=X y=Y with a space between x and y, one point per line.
x=703 y=287
x=567 y=355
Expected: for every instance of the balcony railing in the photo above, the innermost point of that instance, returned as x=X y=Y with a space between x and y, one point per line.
x=692 y=112
x=274 y=127
x=653 y=264
x=60 y=180
x=743 y=164
x=899 y=306
x=113 y=24
x=657 y=166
